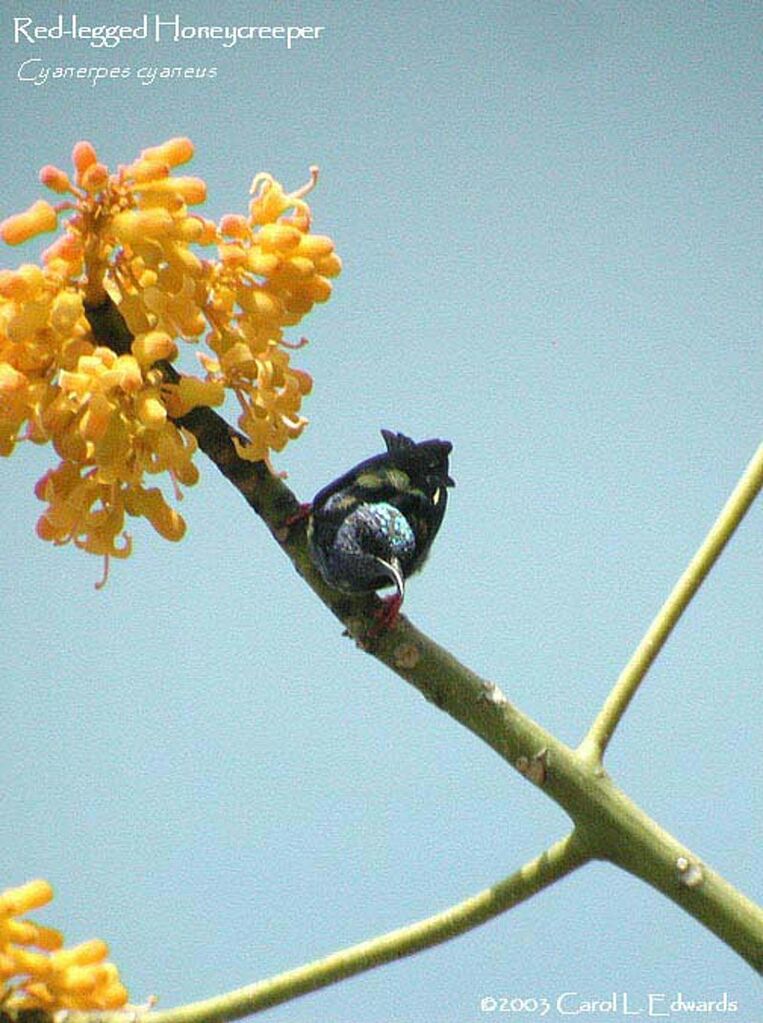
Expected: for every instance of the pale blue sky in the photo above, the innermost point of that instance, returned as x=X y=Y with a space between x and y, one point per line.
x=551 y=242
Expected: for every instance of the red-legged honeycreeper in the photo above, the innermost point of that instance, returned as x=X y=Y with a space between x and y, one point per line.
x=373 y=526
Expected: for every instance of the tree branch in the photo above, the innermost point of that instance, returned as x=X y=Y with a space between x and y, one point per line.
x=608 y=824
x=560 y=859
x=608 y=718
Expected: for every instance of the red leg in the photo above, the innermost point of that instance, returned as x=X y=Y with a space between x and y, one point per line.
x=303 y=512
x=282 y=532
x=387 y=614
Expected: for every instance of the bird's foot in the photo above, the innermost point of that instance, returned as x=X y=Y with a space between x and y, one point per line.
x=302 y=512
x=386 y=616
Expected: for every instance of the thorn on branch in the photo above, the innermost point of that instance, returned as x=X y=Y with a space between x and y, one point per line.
x=689 y=872
x=535 y=769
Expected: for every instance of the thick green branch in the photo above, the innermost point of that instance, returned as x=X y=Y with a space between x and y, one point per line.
x=601 y=731
x=608 y=824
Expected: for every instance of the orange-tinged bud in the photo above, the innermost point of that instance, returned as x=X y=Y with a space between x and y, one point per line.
x=32 y=276
x=298 y=303
x=83 y=155
x=319 y=289
x=299 y=266
x=95 y=177
x=68 y=247
x=232 y=255
x=234 y=226
x=304 y=380
x=173 y=152
x=209 y=230
x=40 y=217
x=329 y=266
x=55 y=179
x=14 y=288
x=46 y=530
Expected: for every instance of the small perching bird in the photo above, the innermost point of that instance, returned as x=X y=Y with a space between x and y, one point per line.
x=373 y=526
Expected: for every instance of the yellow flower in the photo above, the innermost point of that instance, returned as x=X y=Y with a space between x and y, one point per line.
x=129 y=235
x=53 y=978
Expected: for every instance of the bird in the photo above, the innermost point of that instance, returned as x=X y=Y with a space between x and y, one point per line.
x=373 y=527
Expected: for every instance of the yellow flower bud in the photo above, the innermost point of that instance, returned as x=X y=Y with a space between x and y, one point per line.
x=134 y=226
x=234 y=226
x=146 y=170
x=318 y=288
x=148 y=348
x=260 y=302
x=329 y=265
x=151 y=412
x=67 y=310
x=83 y=155
x=94 y=178
x=55 y=179
x=315 y=245
x=278 y=237
x=191 y=190
x=40 y=217
x=92 y=951
x=264 y=264
x=32 y=895
x=172 y=152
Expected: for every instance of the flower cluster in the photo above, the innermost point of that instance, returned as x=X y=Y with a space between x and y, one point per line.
x=54 y=977
x=107 y=406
